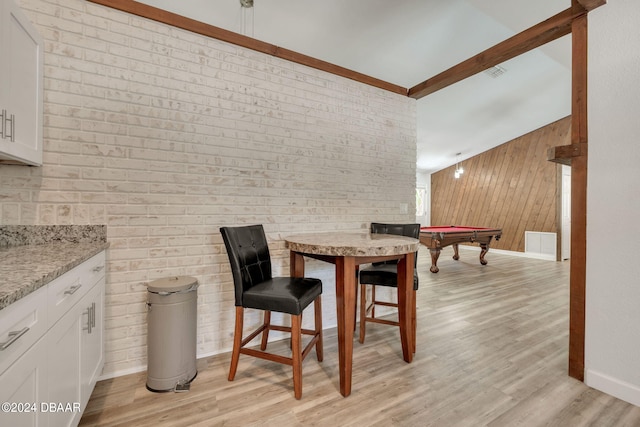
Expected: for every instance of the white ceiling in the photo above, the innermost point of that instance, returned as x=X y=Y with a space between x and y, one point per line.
x=408 y=41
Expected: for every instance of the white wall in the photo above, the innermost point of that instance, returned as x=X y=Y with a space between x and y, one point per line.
x=165 y=136
x=612 y=358
x=423 y=180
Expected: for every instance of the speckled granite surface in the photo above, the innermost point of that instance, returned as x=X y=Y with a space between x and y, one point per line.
x=26 y=266
x=18 y=235
x=351 y=244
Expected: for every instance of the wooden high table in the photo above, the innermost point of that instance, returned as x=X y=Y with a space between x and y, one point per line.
x=346 y=250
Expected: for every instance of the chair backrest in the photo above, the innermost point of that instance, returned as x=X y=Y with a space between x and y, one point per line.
x=408 y=230
x=248 y=255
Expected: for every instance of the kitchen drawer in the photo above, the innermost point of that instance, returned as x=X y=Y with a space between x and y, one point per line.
x=21 y=325
x=93 y=269
x=65 y=291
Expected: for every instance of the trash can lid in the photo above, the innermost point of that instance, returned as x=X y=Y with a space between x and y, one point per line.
x=172 y=284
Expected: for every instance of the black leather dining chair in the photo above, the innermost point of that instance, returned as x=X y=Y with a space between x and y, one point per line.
x=255 y=288
x=386 y=274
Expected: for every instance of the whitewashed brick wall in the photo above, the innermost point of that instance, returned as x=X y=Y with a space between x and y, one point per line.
x=165 y=136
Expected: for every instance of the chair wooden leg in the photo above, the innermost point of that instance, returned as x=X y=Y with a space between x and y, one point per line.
x=363 y=312
x=373 y=301
x=355 y=300
x=237 y=343
x=265 y=332
x=414 y=324
x=296 y=354
x=317 y=312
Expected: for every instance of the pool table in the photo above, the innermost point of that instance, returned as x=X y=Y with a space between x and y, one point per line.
x=437 y=237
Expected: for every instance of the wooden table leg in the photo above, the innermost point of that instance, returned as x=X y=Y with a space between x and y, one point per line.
x=484 y=248
x=456 y=254
x=405 y=301
x=296 y=264
x=414 y=321
x=435 y=254
x=345 y=304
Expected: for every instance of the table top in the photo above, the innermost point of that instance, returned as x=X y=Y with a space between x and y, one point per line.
x=351 y=244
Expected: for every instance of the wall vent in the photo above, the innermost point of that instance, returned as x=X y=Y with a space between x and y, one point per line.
x=540 y=245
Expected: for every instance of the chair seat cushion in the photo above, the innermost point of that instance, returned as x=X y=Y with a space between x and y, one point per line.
x=283 y=294
x=384 y=275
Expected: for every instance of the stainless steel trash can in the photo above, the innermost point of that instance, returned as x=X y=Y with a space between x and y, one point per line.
x=171 y=333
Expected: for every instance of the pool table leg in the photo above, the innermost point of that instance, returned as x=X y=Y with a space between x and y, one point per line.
x=435 y=253
x=456 y=256
x=484 y=249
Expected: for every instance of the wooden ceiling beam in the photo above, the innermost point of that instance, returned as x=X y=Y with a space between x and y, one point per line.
x=564 y=153
x=589 y=5
x=546 y=31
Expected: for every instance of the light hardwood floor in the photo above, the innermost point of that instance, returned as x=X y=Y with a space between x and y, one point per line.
x=492 y=351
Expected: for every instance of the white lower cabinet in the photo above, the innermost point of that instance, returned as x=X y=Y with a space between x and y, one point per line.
x=23 y=388
x=64 y=369
x=91 y=341
x=57 y=374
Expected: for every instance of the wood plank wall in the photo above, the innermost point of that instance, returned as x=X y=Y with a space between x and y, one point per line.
x=512 y=187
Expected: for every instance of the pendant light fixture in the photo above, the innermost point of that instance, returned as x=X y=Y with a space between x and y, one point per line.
x=246 y=24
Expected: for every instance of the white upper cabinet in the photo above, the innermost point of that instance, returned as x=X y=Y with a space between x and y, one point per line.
x=21 y=91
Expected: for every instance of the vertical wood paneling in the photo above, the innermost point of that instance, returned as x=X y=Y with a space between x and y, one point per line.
x=511 y=186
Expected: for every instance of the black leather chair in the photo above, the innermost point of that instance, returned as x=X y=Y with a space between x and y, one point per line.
x=256 y=288
x=386 y=274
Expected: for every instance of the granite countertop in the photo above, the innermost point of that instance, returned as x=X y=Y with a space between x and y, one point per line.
x=24 y=269
x=32 y=256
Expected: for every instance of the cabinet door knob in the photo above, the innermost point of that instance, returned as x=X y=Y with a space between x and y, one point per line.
x=3 y=114
x=72 y=290
x=13 y=337
x=4 y=130
x=12 y=137
x=91 y=318
x=93 y=314
x=89 y=322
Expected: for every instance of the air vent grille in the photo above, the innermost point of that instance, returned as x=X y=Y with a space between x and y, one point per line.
x=495 y=72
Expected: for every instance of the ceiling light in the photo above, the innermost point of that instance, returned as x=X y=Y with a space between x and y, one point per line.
x=459 y=170
x=246 y=3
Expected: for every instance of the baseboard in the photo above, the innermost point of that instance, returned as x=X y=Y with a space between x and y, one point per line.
x=122 y=373
x=613 y=386
x=536 y=255
x=138 y=369
x=532 y=255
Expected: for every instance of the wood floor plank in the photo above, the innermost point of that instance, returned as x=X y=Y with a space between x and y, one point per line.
x=492 y=351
